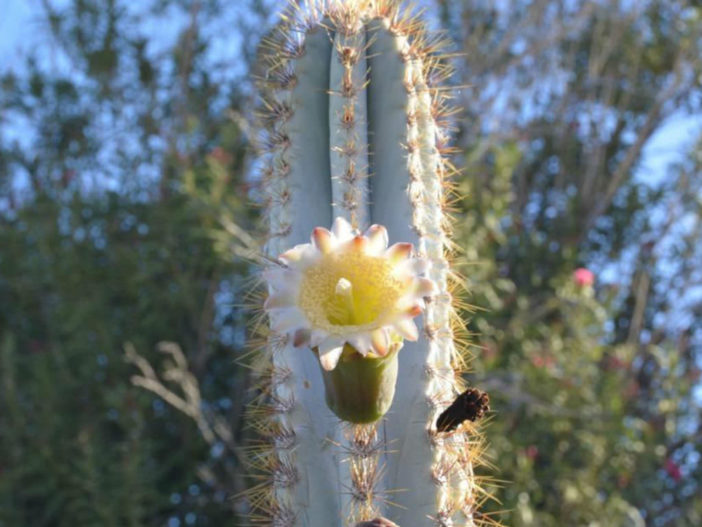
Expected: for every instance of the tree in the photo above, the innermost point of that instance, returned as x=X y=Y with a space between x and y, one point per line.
x=592 y=385
x=123 y=162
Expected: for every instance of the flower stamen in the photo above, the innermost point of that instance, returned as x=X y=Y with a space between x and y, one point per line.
x=342 y=310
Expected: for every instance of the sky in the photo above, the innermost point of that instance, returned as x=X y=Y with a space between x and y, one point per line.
x=15 y=24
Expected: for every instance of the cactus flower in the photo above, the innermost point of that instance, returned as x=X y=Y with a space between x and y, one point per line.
x=352 y=300
x=347 y=288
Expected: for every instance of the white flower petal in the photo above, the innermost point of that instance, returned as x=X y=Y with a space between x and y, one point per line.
x=299 y=256
x=279 y=300
x=407 y=329
x=330 y=359
x=287 y=320
x=317 y=337
x=378 y=239
x=380 y=341
x=342 y=229
x=329 y=344
x=413 y=266
x=329 y=352
x=359 y=243
x=399 y=252
x=292 y=255
x=275 y=277
x=354 y=258
x=323 y=240
x=287 y=287
x=414 y=311
x=410 y=307
x=361 y=343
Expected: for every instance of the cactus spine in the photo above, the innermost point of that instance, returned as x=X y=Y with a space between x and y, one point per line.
x=351 y=117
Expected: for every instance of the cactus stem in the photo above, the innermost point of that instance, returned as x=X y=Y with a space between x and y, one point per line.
x=356 y=125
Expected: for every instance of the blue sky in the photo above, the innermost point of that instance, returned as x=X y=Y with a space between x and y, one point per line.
x=18 y=35
x=15 y=30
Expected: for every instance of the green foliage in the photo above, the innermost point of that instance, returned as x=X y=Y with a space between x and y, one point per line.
x=117 y=174
x=79 y=281
x=596 y=421
x=588 y=428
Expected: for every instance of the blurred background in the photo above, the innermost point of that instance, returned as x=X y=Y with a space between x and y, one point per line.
x=128 y=191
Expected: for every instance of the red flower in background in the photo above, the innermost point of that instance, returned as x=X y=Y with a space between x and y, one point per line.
x=672 y=469
x=583 y=277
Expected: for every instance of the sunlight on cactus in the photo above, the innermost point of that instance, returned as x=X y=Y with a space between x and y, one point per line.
x=354 y=128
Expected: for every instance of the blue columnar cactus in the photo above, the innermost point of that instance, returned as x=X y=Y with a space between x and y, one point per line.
x=354 y=132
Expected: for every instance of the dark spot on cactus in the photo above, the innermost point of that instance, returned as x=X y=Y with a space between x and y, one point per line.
x=284 y=79
x=471 y=405
x=306 y=384
x=276 y=141
x=283 y=232
x=292 y=49
x=281 y=111
x=350 y=201
x=267 y=174
x=348 y=118
x=350 y=173
x=285 y=197
x=348 y=55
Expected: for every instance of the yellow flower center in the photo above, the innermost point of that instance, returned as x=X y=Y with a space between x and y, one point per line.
x=349 y=289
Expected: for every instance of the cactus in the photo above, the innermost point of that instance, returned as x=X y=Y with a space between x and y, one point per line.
x=355 y=127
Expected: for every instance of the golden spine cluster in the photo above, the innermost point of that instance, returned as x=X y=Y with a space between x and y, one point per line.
x=271 y=457
x=349 y=133
x=452 y=469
